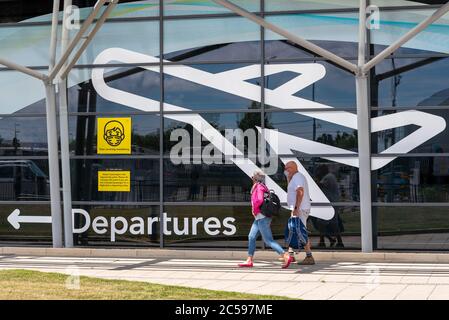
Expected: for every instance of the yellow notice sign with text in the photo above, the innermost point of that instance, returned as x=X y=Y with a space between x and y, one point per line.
x=114 y=136
x=115 y=181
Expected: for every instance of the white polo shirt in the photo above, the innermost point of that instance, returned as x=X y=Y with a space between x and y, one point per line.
x=298 y=181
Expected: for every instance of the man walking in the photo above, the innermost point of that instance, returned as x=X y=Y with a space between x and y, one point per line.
x=298 y=200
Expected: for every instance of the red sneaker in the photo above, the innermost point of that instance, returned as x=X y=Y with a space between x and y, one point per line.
x=289 y=261
x=246 y=265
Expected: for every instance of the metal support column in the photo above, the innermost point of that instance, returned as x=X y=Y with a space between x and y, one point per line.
x=161 y=123
x=52 y=133
x=64 y=137
x=364 y=143
x=53 y=165
x=364 y=137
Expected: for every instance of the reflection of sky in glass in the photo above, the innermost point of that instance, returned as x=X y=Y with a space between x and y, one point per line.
x=303 y=126
x=32 y=49
x=427 y=85
x=195 y=96
x=184 y=7
x=29 y=130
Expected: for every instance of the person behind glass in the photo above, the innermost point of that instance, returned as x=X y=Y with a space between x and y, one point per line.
x=262 y=224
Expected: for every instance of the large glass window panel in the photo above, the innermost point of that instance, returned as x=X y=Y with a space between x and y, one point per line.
x=135 y=9
x=223 y=181
x=315 y=27
x=205 y=182
x=412 y=228
x=123 y=89
x=328 y=180
x=23 y=136
x=413 y=179
x=335 y=88
x=139 y=38
x=29 y=45
x=392 y=25
x=405 y=3
x=435 y=142
x=222 y=226
x=24 y=180
x=214 y=226
x=144 y=134
x=238 y=128
x=116 y=225
x=206 y=87
x=192 y=7
x=28 y=233
x=228 y=226
x=224 y=39
x=399 y=83
x=26 y=45
x=282 y=5
x=341 y=232
x=144 y=180
x=13 y=84
x=327 y=133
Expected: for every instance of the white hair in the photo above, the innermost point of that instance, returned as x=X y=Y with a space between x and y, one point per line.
x=259 y=176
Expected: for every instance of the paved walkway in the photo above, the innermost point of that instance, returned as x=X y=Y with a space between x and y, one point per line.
x=330 y=280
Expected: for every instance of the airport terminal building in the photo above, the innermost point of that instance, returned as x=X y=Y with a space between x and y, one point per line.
x=173 y=105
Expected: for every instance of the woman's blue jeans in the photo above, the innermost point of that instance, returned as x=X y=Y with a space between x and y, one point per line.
x=262 y=226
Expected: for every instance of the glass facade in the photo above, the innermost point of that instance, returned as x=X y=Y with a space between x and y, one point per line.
x=212 y=96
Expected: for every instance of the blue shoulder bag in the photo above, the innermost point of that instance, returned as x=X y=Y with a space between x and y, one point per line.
x=296 y=235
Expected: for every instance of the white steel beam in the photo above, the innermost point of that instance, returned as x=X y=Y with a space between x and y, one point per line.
x=20 y=68
x=66 y=69
x=86 y=24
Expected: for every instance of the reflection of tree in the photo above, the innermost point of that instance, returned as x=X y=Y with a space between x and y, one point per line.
x=251 y=120
x=148 y=141
x=342 y=140
x=188 y=128
x=16 y=144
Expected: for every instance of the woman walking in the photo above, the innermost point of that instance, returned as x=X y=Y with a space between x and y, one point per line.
x=261 y=224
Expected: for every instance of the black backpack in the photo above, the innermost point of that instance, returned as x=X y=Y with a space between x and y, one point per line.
x=271 y=204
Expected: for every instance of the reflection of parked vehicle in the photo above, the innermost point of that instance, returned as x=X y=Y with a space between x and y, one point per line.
x=22 y=180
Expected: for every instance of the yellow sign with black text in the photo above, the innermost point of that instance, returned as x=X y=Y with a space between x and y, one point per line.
x=114 y=136
x=114 y=181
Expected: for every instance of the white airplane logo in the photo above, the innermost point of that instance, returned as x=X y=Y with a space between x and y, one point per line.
x=233 y=82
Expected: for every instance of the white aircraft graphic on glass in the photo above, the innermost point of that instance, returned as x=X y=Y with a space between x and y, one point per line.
x=233 y=82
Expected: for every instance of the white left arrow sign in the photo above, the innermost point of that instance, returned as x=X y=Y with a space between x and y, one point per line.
x=15 y=219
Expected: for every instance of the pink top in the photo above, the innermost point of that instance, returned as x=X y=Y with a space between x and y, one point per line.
x=257 y=192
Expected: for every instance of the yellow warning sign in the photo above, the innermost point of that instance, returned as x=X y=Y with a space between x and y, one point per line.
x=114 y=136
x=115 y=181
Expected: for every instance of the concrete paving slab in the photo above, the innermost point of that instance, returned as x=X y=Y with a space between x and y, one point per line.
x=416 y=292
x=324 y=292
x=221 y=285
x=341 y=280
x=414 y=279
x=385 y=292
x=352 y=292
x=441 y=292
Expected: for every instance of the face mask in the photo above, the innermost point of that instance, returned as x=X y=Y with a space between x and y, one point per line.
x=286 y=173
